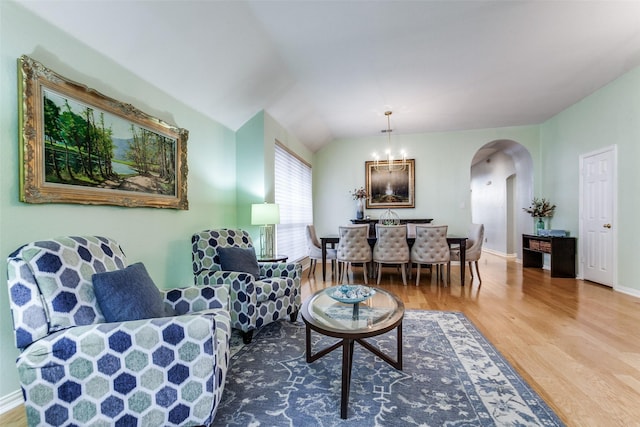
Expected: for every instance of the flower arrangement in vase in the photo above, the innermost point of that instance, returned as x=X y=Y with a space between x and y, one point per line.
x=359 y=194
x=540 y=208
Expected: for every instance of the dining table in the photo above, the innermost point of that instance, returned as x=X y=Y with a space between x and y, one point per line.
x=330 y=241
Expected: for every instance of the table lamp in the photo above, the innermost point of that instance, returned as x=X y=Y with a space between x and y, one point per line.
x=266 y=215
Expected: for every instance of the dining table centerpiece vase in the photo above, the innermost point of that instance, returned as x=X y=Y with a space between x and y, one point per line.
x=359 y=209
x=359 y=195
x=539 y=209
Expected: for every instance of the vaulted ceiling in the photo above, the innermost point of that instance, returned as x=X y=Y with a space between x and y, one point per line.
x=329 y=69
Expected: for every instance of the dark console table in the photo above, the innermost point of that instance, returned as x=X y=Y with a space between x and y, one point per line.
x=561 y=250
x=372 y=223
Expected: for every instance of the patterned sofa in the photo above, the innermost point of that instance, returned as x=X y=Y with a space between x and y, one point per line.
x=253 y=302
x=76 y=369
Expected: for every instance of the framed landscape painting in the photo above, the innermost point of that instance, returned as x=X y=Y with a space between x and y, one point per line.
x=79 y=146
x=390 y=187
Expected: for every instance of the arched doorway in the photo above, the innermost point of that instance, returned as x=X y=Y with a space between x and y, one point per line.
x=501 y=185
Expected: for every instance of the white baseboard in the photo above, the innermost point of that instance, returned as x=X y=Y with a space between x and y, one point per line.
x=493 y=252
x=499 y=253
x=629 y=291
x=11 y=401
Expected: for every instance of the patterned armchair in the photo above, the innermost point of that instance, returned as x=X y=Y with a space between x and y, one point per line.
x=76 y=369
x=253 y=302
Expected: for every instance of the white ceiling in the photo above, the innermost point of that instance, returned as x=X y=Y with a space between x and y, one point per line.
x=329 y=69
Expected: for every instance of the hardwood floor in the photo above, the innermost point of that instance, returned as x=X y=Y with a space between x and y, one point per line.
x=576 y=343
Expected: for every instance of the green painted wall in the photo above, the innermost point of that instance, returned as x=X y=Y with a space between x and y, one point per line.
x=250 y=152
x=251 y=181
x=160 y=238
x=274 y=131
x=255 y=158
x=442 y=174
x=608 y=117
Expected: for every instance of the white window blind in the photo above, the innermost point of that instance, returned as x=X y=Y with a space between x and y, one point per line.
x=293 y=194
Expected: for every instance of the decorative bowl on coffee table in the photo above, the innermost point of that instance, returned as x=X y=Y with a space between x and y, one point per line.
x=351 y=294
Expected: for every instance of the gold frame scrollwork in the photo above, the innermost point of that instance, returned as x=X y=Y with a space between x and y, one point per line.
x=54 y=141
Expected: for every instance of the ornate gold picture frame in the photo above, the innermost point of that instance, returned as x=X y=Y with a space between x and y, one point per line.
x=79 y=146
x=390 y=187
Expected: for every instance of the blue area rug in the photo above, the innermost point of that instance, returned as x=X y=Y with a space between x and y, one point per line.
x=452 y=376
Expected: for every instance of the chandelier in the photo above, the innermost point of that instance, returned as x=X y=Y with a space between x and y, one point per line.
x=391 y=164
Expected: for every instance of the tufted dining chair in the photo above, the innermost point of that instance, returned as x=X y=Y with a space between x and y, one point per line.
x=92 y=357
x=474 y=248
x=258 y=295
x=353 y=247
x=315 y=251
x=391 y=248
x=431 y=248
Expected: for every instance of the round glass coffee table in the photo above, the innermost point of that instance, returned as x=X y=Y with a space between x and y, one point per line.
x=377 y=315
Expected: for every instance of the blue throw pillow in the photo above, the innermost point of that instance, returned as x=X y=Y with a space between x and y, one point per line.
x=128 y=294
x=239 y=259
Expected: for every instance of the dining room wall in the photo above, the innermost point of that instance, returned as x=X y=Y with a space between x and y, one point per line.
x=442 y=174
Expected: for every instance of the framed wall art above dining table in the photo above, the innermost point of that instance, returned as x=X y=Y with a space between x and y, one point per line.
x=388 y=187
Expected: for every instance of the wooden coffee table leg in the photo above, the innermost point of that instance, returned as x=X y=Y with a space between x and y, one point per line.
x=313 y=357
x=347 y=362
x=399 y=354
x=308 y=344
x=394 y=363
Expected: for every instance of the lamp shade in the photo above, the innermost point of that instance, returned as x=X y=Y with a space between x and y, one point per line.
x=265 y=213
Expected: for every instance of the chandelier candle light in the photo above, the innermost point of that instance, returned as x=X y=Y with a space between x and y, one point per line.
x=266 y=215
x=391 y=164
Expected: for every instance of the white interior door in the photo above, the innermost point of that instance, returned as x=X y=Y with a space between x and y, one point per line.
x=597 y=207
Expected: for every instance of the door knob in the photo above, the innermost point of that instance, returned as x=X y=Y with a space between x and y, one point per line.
x=607 y=225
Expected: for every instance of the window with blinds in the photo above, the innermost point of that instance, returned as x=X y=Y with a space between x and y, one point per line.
x=293 y=194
